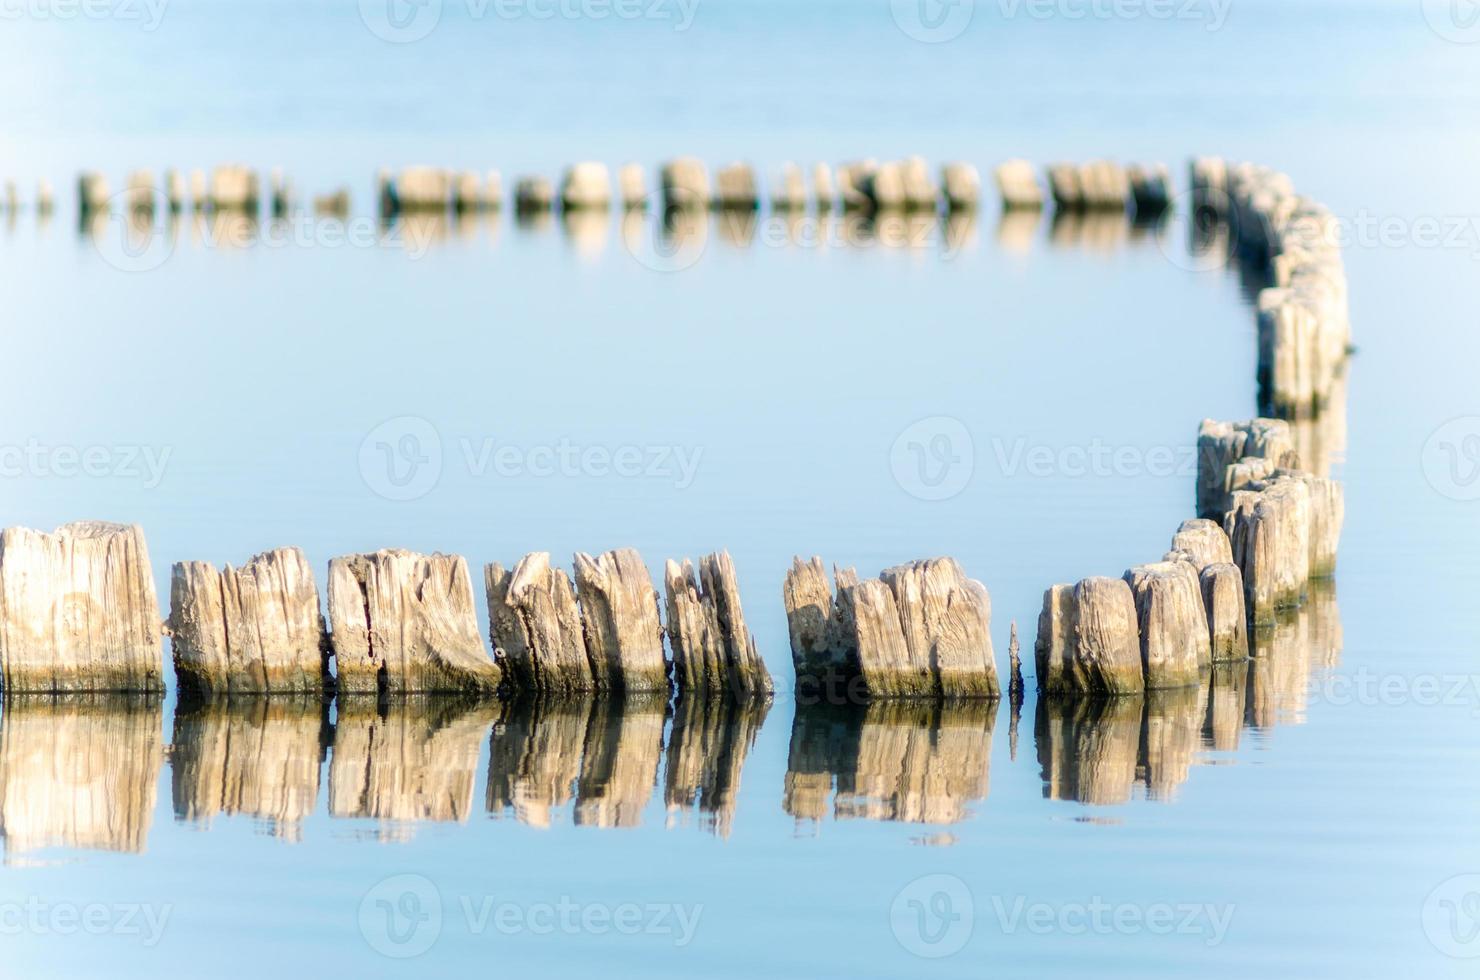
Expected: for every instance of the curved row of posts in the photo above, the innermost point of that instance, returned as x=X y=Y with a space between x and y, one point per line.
x=78 y=610
x=683 y=184
x=1266 y=527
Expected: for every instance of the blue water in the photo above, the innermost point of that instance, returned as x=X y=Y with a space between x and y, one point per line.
x=784 y=373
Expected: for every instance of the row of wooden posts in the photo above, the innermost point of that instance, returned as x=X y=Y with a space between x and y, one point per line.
x=684 y=184
x=1266 y=528
x=78 y=609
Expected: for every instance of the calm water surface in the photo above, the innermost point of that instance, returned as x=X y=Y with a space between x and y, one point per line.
x=1304 y=807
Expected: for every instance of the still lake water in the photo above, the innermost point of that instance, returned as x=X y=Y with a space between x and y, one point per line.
x=1305 y=814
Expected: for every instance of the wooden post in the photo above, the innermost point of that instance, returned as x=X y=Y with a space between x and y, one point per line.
x=1205 y=541
x=1107 y=652
x=78 y=610
x=1222 y=444
x=1269 y=526
x=735 y=188
x=685 y=184
x=1173 y=623
x=1223 y=600
x=632 y=185
x=624 y=633
x=961 y=184
x=713 y=651
x=536 y=627
x=253 y=630
x=405 y=623
x=789 y=195
x=533 y=195
x=586 y=185
x=946 y=619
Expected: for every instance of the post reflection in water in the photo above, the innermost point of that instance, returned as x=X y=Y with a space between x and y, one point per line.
x=1304 y=644
x=408 y=759
x=601 y=754
x=81 y=771
x=255 y=756
x=706 y=753
x=78 y=770
x=1097 y=751
x=918 y=762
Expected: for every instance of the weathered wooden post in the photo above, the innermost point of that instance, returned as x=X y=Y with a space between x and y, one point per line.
x=92 y=193
x=78 y=610
x=1088 y=640
x=405 y=623
x=735 y=188
x=253 y=630
x=624 y=633
x=1269 y=526
x=536 y=627
x=586 y=186
x=139 y=192
x=533 y=195
x=174 y=190
x=1173 y=623
x=961 y=184
x=1150 y=188
x=919 y=630
x=714 y=654
x=789 y=194
x=1223 y=599
x=1209 y=179
x=632 y=187
x=824 y=188
x=1018 y=187
x=946 y=619
x=685 y=183
x=809 y=613
x=1222 y=444
x=420 y=188
x=1204 y=541
x=280 y=193
x=234 y=188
